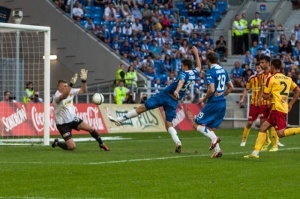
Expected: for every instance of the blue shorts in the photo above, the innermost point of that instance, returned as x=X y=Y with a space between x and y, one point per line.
x=166 y=101
x=212 y=114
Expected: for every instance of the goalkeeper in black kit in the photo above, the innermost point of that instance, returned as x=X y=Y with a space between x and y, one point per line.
x=65 y=116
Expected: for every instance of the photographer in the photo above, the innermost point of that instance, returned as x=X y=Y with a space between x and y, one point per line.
x=8 y=97
x=143 y=98
x=36 y=98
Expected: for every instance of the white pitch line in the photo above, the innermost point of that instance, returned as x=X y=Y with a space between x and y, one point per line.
x=136 y=160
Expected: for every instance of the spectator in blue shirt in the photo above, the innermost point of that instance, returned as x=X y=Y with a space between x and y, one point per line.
x=208 y=42
x=236 y=75
x=194 y=40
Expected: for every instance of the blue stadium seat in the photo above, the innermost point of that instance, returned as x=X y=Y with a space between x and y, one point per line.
x=175 y=25
x=83 y=22
x=210 y=22
x=163 y=79
x=180 y=5
x=86 y=15
x=89 y=10
x=157 y=66
x=96 y=22
x=273 y=49
x=175 y=46
x=184 y=12
x=222 y=6
x=201 y=18
x=216 y=13
x=97 y=10
x=192 y=20
x=96 y=17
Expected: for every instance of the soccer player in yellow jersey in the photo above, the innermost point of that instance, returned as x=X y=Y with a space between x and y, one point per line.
x=277 y=89
x=253 y=84
x=264 y=105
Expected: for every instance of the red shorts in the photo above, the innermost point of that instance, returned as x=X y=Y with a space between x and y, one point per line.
x=277 y=119
x=264 y=111
x=253 y=113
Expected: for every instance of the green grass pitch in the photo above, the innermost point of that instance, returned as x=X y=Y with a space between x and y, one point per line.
x=146 y=166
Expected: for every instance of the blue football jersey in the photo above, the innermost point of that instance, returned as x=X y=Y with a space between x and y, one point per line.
x=218 y=76
x=189 y=78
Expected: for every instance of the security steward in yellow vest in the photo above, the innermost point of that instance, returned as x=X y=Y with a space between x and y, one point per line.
x=255 y=26
x=120 y=93
x=130 y=79
x=246 y=31
x=120 y=75
x=237 y=33
x=28 y=95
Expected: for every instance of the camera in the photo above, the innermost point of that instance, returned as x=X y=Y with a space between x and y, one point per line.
x=11 y=98
x=18 y=16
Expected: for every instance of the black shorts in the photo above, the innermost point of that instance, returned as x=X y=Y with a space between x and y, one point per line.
x=65 y=129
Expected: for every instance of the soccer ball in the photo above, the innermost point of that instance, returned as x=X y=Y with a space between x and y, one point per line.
x=98 y=98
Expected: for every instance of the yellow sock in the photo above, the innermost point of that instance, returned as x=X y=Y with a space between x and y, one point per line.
x=291 y=131
x=267 y=141
x=274 y=137
x=245 y=134
x=261 y=138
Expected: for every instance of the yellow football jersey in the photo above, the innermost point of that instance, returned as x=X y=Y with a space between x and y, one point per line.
x=279 y=86
x=263 y=79
x=254 y=84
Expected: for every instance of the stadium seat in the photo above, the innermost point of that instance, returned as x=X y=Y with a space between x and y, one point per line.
x=96 y=17
x=180 y=5
x=157 y=66
x=201 y=18
x=222 y=6
x=89 y=10
x=184 y=12
x=96 y=22
x=86 y=15
x=192 y=20
x=273 y=49
x=97 y=10
x=210 y=22
x=216 y=13
x=83 y=22
x=163 y=79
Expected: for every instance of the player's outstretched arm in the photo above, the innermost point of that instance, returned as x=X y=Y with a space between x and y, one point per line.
x=197 y=58
x=83 y=77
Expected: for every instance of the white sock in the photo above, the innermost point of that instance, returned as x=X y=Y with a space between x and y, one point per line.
x=174 y=135
x=210 y=134
x=129 y=115
x=217 y=148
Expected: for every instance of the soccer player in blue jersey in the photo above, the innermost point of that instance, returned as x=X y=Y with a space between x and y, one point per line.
x=211 y=116
x=169 y=97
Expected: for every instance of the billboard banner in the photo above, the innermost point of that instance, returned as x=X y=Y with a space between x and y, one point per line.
x=18 y=119
x=149 y=121
x=185 y=115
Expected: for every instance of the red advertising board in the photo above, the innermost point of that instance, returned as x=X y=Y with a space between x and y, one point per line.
x=185 y=115
x=18 y=119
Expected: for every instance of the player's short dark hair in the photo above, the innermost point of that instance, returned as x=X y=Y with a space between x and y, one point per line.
x=276 y=63
x=212 y=57
x=266 y=58
x=61 y=81
x=188 y=63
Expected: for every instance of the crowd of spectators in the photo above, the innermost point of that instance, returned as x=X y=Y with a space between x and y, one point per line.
x=266 y=38
x=149 y=33
x=153 y=37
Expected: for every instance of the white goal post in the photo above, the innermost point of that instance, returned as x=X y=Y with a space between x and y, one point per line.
x=24 y=58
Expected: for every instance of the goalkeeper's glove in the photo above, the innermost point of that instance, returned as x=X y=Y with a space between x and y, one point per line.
x=73 y=80
x=83 y=75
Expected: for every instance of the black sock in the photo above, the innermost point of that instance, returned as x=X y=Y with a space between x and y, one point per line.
x=97 y=137
x=62 y=145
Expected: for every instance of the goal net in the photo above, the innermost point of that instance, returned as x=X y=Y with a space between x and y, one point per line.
x=24 y=60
